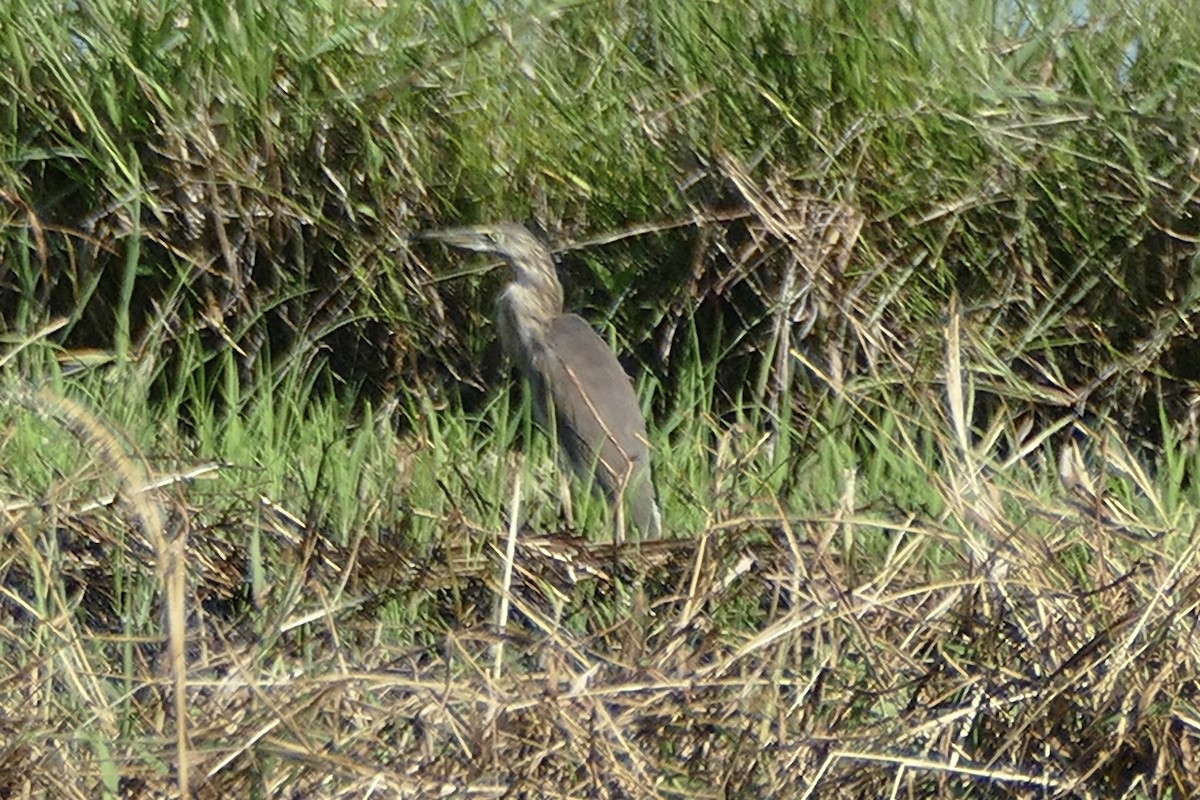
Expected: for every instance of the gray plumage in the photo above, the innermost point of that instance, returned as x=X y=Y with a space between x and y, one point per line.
x=579 y=388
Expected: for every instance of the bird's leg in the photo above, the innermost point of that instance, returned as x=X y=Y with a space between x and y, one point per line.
x=564 y=491
x=619 y=519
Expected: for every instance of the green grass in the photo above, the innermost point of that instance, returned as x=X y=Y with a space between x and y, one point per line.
x=907 y=293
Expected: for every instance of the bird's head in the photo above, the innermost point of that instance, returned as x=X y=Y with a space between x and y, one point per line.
x=508 y=240
x=529 y=259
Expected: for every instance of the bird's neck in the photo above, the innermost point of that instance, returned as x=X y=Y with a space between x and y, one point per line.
x=542 y=287
x=527 y=307
x=524 y=315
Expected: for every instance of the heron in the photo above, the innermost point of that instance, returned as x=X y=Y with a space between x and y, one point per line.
x=580 y=391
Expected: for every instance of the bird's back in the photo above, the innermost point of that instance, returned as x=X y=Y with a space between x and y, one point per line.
x=597 y=416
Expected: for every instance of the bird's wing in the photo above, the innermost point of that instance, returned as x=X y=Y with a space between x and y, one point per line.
x=597 y=417
x=593 y=397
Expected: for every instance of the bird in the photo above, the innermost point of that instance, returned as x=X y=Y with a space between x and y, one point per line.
x=580 y=391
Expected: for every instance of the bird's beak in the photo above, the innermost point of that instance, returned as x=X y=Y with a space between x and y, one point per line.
x=467 y=238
